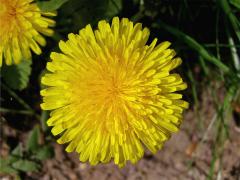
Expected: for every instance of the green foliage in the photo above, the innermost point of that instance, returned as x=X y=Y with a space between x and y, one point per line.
x=26 y=165
x=17 y=76
x=113 y=7
x=43 y=153
x=15 y=154
x=6 y=167
x=77 y=13
x=235 y=3
x=27 y=159
x=51 y=5
x=33 y=139
x=232 y=18
x=37 y=151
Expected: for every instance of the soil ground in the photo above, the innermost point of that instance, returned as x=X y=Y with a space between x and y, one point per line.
x=184 y=156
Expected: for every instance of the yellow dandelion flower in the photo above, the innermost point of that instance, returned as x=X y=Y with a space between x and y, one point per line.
x=21 y=22
x=111 y=95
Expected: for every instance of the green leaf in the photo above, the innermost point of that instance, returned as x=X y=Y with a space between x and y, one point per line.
x=8 y=169
x=51 y=5
x=32 y=142
x=4 y=161
x=16 y=154
x=17 y=76
x=26 y=166
x=83 y=12
x=113 y=7
x=235 y=3
x=5 y=167
x=17 y=151
x=44 y=152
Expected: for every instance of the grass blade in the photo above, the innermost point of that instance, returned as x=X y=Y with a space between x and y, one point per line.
x=192 y=43
x=232 y=18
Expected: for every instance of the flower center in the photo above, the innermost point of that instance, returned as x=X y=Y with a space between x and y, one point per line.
x=114 y=88
x=8 y=11
x=2 y=8
x=12 y=11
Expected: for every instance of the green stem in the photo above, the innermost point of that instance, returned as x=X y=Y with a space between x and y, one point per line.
x=204 y=66
x=14 y=111
x=13 y=94
x=231 y=17
x=217 y=34
x=221 y=45
x=43 y=118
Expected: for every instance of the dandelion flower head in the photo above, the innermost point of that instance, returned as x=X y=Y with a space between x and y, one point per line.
x=111 y=95
x=22 y=24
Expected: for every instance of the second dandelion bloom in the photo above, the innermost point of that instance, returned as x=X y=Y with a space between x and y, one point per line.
x=111 y=95
x=22 y=25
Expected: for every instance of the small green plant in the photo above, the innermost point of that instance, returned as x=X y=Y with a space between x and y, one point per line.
x=27 y=158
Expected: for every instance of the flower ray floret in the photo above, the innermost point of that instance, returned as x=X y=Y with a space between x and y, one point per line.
x=23 y=25
x=111 y=94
